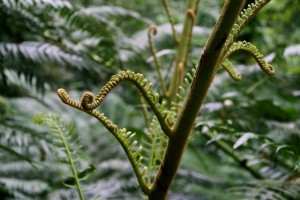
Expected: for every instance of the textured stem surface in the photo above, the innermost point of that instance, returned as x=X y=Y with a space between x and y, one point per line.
x=205 y=73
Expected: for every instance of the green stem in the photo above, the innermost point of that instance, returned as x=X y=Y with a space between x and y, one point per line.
x=71 y=162
x=183 y=49
x=153 y=29
x=145 y=110
x=205 y=73
x=167 y=8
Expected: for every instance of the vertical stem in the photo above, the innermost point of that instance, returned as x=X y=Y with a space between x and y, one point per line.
x=205 y=73
x=167 y=8
x=183 y=48
x=153 y=29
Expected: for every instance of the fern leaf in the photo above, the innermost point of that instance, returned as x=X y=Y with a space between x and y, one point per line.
x=61 y=130
x=56 y=4
x=40 y=52
x=110 y=11
x=154 y=143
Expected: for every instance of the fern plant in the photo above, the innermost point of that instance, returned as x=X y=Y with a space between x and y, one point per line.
x=66 y=140
x=176 y=118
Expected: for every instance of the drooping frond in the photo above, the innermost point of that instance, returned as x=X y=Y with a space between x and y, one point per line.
x=24 y=160
x=228 y=66
x=250 y=48
x=24 y=189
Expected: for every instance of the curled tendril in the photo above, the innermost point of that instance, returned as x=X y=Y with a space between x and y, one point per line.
x=227 y=65
x=125 y=138
x=191 y=13
x=152 y=29
x=250 y=48
x=64 y=96
x=89 y=102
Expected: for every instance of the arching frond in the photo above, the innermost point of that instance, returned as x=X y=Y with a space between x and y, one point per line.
x=89 y=103
x=228 y=66
x=250 y=48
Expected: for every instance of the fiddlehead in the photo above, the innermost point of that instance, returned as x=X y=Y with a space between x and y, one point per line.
x=64 y=96
x=250 y=48
x=191 y=13
x=124 y=137
x=89 y=102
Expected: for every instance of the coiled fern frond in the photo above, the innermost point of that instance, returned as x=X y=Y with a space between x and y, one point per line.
x=89 y=103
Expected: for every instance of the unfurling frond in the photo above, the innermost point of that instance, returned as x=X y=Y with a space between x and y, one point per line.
x=250 y=48
x=89 y=102
x=124 y=137
x=243 y=19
